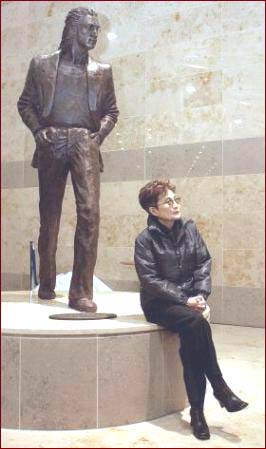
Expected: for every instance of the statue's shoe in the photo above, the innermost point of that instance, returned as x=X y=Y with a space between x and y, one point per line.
x=83 y=305
x=46 y=294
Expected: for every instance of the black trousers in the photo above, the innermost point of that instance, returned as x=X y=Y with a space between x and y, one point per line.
x=71 y=150
x=197 y=349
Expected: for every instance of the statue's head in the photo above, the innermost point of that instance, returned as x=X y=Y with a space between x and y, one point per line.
x=81 y=26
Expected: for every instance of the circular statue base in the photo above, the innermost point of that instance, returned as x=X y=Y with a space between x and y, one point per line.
x=83 y=374
x=82 y=316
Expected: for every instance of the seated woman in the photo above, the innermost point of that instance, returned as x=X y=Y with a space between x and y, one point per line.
x=173 y=265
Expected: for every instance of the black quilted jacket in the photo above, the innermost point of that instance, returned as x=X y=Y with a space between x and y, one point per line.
x=171 y=265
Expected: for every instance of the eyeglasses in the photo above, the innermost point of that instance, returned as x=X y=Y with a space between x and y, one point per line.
x=170 y=201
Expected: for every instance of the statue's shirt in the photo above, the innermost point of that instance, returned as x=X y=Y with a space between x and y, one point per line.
x=70 y=106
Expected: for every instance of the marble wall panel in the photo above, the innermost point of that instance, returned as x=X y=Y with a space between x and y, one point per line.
x=243 y=156
x=243 y=268
x=123 y=165
x=215 y=302
x=49 y=34
x=120 y=230
x=48 y=390
x=146 y=377
x=128 y=134
x=64 y=258
x=241 y=191
x=10 y=362
x=161 y=94
x=242 y=48
x=130 y=69
x=243 y=118
x=184 y=160
x=15 y=68
x=115 y=263
x=245 y=230
x=11 y=281
x=13 y=38
x=200 y=196
x=243 y=306
x=12 y=175
x=243 y=80
x=174 y=94
x=203 y=89
x=131 y=100
x=173 y=391
x=163 y=128
x=120 y=198
x=190 y=24
x=13 y=144
x=46 y=10
x=30 y=175
x=13 y=254
x=11 y=10
x=29 y=147
x=121 y=36
x=202 y=124
x=242 y=16
x=210 y=227
x=216 y=253
x=183 y=59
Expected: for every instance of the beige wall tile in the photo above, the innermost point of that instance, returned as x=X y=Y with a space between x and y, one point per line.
x=129 y=134
x=200 y=195
x=241 y=191
x=244 y=230
x=189 y=24
x=128 y=70
x=216 y=253
x=163 y=128
x=120 y=198
x=120 y=230
x=183 y=59
x=116 y=263
x=131 y=100
x=243 y=117
x=210 y=227
x=240 y=16
x=202 y=90
x=202 y=124
x=14 y=38
x=243 y=268
x=163 y=95
x=242 y=48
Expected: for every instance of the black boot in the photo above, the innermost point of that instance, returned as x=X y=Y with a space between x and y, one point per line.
x=227 y=398
x=198 y=422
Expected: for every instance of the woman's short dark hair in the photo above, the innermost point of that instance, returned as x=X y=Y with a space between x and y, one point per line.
x=150 y=193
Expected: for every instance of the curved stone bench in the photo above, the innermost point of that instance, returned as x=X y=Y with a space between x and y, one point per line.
x=59 y=375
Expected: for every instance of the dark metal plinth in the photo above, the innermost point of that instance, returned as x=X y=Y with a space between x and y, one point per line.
x=82 y=316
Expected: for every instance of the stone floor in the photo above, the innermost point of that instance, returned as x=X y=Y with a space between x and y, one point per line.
x=241 y=354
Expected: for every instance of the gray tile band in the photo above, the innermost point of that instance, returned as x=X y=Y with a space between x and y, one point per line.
x=229 y=157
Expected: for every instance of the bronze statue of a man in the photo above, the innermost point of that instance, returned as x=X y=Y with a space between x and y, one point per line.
x=69 y=105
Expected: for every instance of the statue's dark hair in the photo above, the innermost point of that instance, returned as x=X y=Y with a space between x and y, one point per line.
x=69 y=31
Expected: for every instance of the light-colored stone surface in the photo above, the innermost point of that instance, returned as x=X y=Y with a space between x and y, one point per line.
x=67 y=374
x=25 y=314
x=240 y=350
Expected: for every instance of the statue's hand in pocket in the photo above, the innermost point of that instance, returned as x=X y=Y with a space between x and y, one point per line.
x=45 y=136
x=96 y=137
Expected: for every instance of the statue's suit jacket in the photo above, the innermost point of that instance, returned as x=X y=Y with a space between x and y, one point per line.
x=36 y=100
